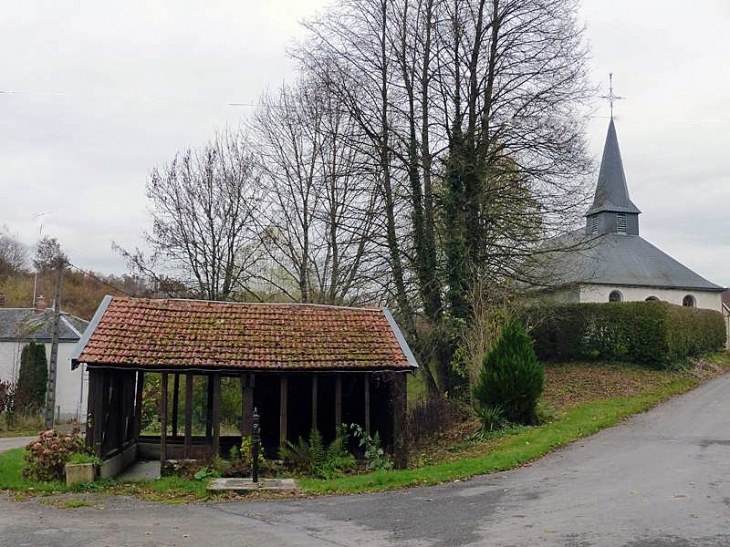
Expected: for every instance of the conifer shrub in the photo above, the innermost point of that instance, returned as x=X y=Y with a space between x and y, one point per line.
x=511 y=378
x=33 y=378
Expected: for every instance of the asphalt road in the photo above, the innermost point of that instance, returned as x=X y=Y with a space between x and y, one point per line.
x=7 y=443
x=659 y=480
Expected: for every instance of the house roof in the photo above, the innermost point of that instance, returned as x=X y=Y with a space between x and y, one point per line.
x=194 y=334
x=612 y=193
x=617 y=259
x=27 y=324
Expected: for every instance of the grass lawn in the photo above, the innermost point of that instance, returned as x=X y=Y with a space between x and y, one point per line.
x=579 y=399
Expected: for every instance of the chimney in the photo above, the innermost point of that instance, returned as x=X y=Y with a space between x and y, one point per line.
x=2 y=300
x=40 y=304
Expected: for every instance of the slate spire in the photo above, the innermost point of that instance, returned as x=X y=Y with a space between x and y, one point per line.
x=612 y=193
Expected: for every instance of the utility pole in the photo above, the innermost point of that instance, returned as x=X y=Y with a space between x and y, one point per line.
x=53 y=365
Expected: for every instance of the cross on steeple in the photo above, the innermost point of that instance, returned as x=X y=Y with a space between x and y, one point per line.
x=611 y=97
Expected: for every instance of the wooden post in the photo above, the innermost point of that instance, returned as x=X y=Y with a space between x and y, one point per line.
x=209 y=409
x=188 y=414
x=338 y=403
x=216 y=413
x=163 y=418
x=247 y=385
x=366 y=380
x=314 y=401
x=283 y=400
x=138 y=405
x=98 y=381
x=398 y=397
x=175 y=403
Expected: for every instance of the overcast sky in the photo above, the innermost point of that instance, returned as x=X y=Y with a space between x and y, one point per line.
x=97 y=93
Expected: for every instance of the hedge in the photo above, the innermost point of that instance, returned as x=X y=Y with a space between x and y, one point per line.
x=656 y=334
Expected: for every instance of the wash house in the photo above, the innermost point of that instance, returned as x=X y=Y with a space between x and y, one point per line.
x=300 y=366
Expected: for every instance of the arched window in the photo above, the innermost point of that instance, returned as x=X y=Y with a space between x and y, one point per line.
x=615 y=296
x=652 y=299
x=689 y=301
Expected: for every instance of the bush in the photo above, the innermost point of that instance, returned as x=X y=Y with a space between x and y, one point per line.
x=314 y=459
x=33 y=377
x=656 y=334
x=376 y=458
x=431 y=416
x=46 y=456
x=511 y=377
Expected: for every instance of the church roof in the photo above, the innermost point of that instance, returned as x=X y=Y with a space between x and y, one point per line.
x=612 y=193
x=617 y=259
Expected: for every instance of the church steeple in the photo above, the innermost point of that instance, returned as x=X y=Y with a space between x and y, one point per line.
x=612 y=210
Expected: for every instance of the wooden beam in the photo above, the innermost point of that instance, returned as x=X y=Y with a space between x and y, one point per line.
x=188 y=414
x=366 y=389
x=175 y=403
x=283 y=408
x=398 y=398
x=338 y=403
x=216 y=413
x=209 y=409
x=247 y=385
x=314 y=401
x=98 y=380
x=163 y=418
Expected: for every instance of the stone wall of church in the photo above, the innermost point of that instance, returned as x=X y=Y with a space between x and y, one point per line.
x=599 y=293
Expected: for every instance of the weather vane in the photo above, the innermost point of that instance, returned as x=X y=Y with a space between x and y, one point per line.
x=611 y=97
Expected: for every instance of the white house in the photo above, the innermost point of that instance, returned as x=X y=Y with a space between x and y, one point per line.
x=18 y=326
x=609 y=261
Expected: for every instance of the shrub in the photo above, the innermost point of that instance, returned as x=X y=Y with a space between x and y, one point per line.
x=46 y=456
x=656 y=334
x=376 y=458
x=33 y=377
x=511 y=377
x=314 y=459
x=430 y=416
x=491 y=417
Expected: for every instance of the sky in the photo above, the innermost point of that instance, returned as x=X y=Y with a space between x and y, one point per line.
x=94 y=94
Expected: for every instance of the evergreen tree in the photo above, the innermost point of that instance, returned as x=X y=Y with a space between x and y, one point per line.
x=33 y=377
x=511 y=378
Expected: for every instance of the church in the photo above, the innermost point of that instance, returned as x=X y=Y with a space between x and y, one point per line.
x=609 y=261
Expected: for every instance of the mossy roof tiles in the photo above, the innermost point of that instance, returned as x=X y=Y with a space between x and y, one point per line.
x=194 y=334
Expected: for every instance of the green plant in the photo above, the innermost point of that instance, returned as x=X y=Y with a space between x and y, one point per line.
x=314 y=459
x=491 y=418
x=206 y=472
x=81 y=458
x=376 y=458
x=655 y=334
x=33 y=376
x=47 y=455
x=511 y=376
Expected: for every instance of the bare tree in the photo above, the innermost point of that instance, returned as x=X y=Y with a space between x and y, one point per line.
x=320 y=206
x=13 y=254
x=203 y=208
x=48 y=255
x=471 y=110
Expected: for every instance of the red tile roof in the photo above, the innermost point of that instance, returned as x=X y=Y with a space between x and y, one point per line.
x=159 y=333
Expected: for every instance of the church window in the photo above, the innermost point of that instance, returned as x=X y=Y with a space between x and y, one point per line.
x=594 y=225
x=621 y=223
x=689 y=301
x=615 y=296
x=652 y=299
